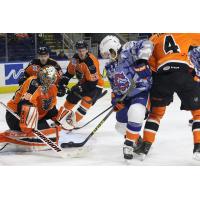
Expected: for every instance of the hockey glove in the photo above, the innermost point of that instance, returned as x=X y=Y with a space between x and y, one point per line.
x=143 y=71
x=117 y=105
x=64 y=80
x=61 y=90
x=77 y=89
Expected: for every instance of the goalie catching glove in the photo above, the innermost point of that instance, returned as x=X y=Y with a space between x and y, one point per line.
x=28 y=118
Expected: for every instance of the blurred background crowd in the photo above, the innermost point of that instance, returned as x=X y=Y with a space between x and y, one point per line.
x=23 y=46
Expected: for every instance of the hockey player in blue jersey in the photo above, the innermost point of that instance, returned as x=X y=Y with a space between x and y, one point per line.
x=194 y=55
x=128 y=64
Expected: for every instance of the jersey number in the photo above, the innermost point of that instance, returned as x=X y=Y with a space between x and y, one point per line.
x=170 y=46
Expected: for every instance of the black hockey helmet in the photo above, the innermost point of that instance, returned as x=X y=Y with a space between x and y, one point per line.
x=81 y=44
x=43 y=50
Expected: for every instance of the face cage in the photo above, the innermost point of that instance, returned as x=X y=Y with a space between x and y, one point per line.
x=46 y=81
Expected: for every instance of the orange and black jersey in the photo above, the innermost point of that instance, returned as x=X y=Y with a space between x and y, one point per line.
x=87 y=71
x=171 y=51
x=30 y=92
x=35 y=65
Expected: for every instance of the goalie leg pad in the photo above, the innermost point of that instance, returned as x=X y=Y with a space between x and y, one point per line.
x=20 y=141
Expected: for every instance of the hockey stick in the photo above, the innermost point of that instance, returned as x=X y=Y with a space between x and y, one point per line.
x=38 y=133
x=76 y=128
x=73 y=144
x=91 y=101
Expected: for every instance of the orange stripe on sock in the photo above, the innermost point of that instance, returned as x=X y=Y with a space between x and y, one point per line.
x=78 y=116
x=85 y=104
x=196 y=135
x=149 y=136
x=132 y=136
x=68 y=105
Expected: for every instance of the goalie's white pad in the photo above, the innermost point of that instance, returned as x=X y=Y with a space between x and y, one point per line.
x=28 y=118
x=66 y=118
x=32 y=118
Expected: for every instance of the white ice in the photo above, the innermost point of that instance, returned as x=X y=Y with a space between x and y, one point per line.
x=173 y=146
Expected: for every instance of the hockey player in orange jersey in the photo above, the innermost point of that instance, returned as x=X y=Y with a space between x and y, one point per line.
x=172 y=68
x=35 y=103
x=90 y=83
x=36 y=64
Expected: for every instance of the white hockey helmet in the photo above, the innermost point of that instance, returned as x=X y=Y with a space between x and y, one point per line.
x=109 y=45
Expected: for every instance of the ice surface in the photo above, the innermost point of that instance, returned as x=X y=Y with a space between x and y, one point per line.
x=173 y=145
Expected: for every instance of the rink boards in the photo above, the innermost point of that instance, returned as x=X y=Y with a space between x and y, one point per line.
x=10 y=72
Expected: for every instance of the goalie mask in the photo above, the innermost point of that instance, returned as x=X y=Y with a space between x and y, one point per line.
x=47 y=77
x=110 y=47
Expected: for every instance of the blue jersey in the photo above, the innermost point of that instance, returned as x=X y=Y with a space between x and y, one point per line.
x=194 y=56
x=127 y=69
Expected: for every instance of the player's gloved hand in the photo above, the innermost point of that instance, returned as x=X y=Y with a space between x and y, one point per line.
x=61 y=90
x=77 y=89
x=64 y=80
x=143 y=71
x=21 y=80
x=115 y=102
x=28 y=118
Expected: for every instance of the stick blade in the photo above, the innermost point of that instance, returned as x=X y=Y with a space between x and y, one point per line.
x=71 y=145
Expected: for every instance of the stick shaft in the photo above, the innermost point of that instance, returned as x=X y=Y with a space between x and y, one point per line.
x=94 y=118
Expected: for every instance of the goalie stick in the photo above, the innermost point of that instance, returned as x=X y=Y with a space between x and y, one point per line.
x=38 y=133
x=73 y=144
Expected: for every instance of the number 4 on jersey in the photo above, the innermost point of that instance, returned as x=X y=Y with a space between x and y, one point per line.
x=170 y=45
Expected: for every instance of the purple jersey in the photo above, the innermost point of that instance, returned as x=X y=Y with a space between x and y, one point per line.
x=194 y=56
x=125 y=70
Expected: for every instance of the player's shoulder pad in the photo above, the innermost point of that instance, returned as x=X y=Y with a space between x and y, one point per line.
x=52 y=62
x=89 y=61
x=75 y=59
x=145 y=49
x=33 y=64
x=129 y=45
x=156 y=37
x=146 y=44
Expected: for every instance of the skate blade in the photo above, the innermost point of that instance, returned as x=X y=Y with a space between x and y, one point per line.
x=196 y=156
x=140 y=157
x=127 y=162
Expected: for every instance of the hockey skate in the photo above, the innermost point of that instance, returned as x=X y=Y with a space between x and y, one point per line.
x=143 y=150
x=128 y=149
x=190 y=122
x=196 y=151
